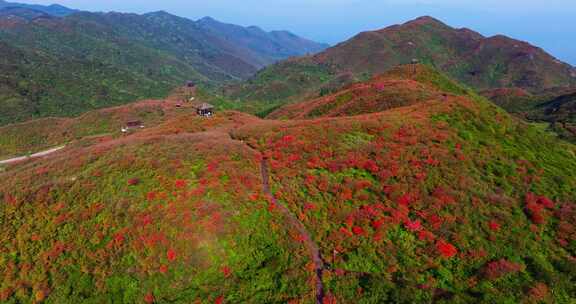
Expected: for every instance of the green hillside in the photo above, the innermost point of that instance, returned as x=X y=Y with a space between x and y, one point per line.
x=445 y=199
x=66 y=66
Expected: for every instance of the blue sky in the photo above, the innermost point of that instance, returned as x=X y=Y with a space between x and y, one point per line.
x=545 y=23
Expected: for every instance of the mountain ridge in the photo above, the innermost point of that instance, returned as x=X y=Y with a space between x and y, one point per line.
x=56 y=10
x=114 y=58
x=272 y=42
x=478 y=61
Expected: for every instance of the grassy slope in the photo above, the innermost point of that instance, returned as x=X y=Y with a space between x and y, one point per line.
x=177 y=217
x=33 y=136
x=401 y=86
x=555 y=108
x=464 y=170
x=439 y=201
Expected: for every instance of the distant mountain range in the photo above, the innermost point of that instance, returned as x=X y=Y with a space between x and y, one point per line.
x=62 y=66
x=271 y=46
x=478 y=61
x=54 y=9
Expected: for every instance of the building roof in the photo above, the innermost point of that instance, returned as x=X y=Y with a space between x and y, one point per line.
x=205 y=106
x=134 y=123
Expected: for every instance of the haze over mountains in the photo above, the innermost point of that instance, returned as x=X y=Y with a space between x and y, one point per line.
x=61 y=66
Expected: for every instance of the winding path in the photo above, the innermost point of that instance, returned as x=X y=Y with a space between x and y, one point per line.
x=308 y=241
x=35 y=155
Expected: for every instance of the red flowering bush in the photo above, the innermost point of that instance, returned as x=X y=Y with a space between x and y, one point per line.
x=151 y=195
x=500 y=268
x=163 y=269
x=149 y=298
x=358 y=230
x=171 y=255
x=494 y=226
x=538 y=292
x=180 y=183
x=536 y=207
x=133 y=181
x=413 y=226
x=445 y=249
x=226 y=271
x=404 y=200
x=219 y=300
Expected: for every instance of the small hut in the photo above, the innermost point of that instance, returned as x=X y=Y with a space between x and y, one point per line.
x=189 y=90
x=414 y=64
x=132 y=125
x=205 y=109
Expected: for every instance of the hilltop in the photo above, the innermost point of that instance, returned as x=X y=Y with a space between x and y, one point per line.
x=402 y=86
x=437 y=196
x=66 y=65
x=477 y=61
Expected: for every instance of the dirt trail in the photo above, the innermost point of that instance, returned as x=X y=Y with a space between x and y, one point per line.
x=35 y=155
x=309 y=242
x=307 y=238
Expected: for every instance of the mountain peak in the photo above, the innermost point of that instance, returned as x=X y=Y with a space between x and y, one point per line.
x=426 y=20
x=159 y=13
x=207 y=19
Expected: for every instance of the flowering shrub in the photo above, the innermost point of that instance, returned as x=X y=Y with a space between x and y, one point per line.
x=500 y=268
x=149 y=298
x=180 y=183
x=494 y=226
x=413 y=226
x=446 y=249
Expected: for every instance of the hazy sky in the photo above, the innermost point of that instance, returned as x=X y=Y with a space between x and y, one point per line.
x=545 y=23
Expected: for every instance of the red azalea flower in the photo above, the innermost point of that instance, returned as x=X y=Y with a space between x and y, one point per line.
x=425 y=236
x=219 y=300
x=171 y=255
x=497 y=269
x=309 y=206
x=149 y=298
x=404 y=200
x=346 y=231
x=445 y=249
x=546 y=202
x=151 y=196
x=494 y=226
x=226 y=271
x=180 y=183
x=163 y=269
x=358 y=230
x=413 y=226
